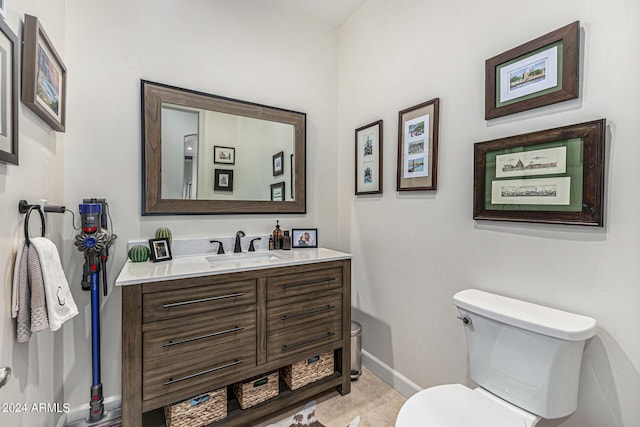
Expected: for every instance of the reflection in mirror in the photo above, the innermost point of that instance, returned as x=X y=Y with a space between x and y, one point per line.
x=224 y=139
x=190 y=138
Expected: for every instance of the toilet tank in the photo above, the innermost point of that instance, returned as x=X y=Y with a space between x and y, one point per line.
x=527 y=354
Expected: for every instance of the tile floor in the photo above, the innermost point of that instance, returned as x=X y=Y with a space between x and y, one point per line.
x=376 y=402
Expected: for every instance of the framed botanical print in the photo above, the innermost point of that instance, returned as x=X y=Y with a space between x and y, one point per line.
x=44 y=76
x=224 y=155
x=278 y=163
x=550 y=176
x=277 y=192
x=369 y=159
x=223 y=180
x=9 y=48
x=418 y=147
x=541 y=72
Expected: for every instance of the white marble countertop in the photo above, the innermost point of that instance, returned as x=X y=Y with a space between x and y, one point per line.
x=185 y=266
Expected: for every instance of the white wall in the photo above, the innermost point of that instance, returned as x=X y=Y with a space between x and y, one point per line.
x=37 y=365
x=250 y=50
x=412 y=252
x=255 y=141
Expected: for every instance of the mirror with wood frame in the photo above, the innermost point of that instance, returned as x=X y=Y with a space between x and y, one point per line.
x=207 y=154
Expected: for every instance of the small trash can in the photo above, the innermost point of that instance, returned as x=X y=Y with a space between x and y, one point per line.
x=356 y=350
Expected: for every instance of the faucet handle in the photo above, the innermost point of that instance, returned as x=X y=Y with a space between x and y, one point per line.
x=251 y=247
x=220 y=247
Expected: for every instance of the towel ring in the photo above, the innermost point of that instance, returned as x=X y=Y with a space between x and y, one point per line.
x=26 y=223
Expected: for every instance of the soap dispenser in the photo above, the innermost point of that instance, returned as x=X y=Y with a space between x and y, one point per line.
x=277 y=236
x=286 y=241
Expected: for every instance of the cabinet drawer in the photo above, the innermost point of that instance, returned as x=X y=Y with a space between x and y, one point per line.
x=302 y=336
x=181 y=302
x=289 y=285
x=167 y=375
x=196 y=332
x=304 y=313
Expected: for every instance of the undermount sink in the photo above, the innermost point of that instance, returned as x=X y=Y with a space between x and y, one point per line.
x=244 y=258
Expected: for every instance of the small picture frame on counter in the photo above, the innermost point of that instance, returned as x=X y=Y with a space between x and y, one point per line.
x=160 y=249
x=304 y=238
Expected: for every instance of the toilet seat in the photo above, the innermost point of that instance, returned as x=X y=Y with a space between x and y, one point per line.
x=454 y=405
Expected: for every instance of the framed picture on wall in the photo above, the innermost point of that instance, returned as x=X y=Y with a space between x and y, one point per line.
x=9 y=48
x=304 y=238
x=278 y=163
x=224 y=155
x=277 y=192
x=550 y=176
x=223 y=180
x=44 y=76
x=369 y=159
x=418 y=147
x=541 y=72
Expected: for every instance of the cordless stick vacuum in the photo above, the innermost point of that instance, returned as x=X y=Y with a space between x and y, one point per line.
x=94 y=240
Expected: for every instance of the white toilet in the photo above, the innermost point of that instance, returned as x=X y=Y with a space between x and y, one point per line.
x=525 y=357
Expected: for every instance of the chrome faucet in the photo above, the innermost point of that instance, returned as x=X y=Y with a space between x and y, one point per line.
x=237 y=248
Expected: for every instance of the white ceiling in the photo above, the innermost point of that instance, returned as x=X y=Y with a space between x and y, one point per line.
x=333 y=12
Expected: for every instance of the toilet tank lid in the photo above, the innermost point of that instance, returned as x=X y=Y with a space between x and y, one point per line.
x=525 y=315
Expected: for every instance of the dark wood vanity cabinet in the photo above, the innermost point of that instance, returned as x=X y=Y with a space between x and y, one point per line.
x=184 y=337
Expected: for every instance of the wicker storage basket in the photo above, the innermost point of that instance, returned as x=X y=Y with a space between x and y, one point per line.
x=256 y=390
x=198 y=411
x=308 y=370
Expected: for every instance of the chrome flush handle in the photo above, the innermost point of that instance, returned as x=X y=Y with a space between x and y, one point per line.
x=466 y=320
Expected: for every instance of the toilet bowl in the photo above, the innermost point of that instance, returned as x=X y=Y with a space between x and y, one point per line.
x=525 y=358
x=455 y=405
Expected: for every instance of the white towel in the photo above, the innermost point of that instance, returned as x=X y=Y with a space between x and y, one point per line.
x=60 y=304
x=39 y=313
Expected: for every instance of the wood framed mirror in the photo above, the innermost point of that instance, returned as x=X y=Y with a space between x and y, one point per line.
x=187 y=135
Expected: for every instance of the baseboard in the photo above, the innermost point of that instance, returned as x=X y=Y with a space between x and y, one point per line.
x=395 y=379
x=82 y=411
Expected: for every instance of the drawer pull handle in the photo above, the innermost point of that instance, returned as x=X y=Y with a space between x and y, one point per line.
x=307 y=313
x=201 y=337
x=196 y=301
x=207 y=371
x=311 y=282
x=309 y=341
